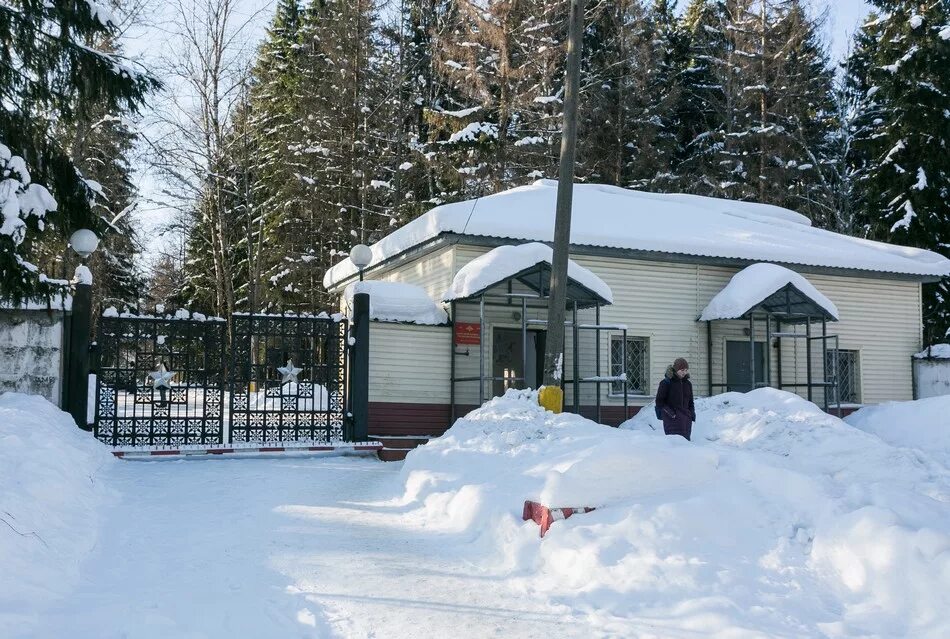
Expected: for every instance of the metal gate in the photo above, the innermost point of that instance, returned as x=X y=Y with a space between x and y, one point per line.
x=178 y=380
x=288 y=378
x=160 y=381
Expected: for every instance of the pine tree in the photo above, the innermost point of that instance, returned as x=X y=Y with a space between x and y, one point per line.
x=323 y=182
x=415 y=182
x=273 y=121
x=49 y=79
x=901 y=67
x=100 y=150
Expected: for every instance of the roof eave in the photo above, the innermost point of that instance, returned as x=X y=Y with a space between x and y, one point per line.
x=446 y=238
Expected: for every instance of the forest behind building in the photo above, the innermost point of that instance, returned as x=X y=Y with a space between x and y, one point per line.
x=352 y=117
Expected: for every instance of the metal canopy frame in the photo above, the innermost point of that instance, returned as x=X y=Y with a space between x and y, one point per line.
x=786 y=306
x=538 y=279
x=579 y=297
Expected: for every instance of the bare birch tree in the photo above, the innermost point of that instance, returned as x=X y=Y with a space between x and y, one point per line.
x=206 y=66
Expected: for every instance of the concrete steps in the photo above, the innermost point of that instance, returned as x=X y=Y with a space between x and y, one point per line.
x=396 y=447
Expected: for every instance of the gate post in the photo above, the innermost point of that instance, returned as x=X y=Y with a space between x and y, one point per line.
x=77 y=375
x=359 y=367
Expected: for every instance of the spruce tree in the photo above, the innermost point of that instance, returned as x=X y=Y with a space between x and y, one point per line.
x=902 y=72
x=500 y=65
x=630 y=113
x=49 y=79
x=761 y=92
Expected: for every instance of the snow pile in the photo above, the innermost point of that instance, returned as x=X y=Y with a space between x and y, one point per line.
x=777 y=520
x=56 y=302
x=754 y=284
x=922 y=425
x=52 y=492
x=613 y=217
x=396 y=302
x=937 y=351
x=82 y=275
x=501 y=263
x=511 y=449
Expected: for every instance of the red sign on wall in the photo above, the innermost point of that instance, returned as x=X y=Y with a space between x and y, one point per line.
x=467 y=333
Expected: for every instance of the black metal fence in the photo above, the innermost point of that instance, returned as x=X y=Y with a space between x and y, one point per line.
x=179 y=380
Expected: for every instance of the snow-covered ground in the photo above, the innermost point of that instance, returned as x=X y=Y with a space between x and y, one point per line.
x=776 y=521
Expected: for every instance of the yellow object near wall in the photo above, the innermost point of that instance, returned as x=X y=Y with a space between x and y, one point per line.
x=551 y=398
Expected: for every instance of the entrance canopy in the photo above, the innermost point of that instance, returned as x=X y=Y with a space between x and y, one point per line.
x=529 y=265
x=512 y=283
x=770 y=289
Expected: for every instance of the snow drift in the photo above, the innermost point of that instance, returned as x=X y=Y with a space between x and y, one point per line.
x=777 y=520
x=50 y=505
x=922 y=425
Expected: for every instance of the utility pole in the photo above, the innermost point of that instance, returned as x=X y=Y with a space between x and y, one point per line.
x=552 y=396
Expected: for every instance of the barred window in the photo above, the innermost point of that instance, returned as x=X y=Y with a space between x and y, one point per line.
x=638 y=365
x=843 y=366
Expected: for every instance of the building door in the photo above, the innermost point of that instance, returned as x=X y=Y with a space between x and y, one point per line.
x=737 y=365
x=508 y=363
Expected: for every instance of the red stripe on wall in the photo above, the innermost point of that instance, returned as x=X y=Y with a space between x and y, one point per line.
x=399 y=418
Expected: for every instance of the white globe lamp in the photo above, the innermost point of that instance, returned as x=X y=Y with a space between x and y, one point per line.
x=361 y=255
x=84 y=242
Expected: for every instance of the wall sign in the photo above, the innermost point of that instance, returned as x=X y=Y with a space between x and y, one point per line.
x=467 y=333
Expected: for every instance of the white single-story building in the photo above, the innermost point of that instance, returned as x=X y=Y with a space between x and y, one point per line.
x=653 y=277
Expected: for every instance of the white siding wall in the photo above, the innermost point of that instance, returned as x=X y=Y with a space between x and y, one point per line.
x=409 y=363
x=433 y=272
x=659 y=301
x=880 y=318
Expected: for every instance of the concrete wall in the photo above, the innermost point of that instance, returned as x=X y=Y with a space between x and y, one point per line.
x=32 y=352
x=932 y=376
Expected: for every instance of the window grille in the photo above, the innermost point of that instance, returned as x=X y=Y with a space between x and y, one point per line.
x=638 y=369
x=842 y=366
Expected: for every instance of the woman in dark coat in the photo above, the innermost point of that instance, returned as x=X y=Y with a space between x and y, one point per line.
x=674 y=400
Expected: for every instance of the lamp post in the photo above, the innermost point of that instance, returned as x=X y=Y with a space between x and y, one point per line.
x=84 y=242
x=361 y=255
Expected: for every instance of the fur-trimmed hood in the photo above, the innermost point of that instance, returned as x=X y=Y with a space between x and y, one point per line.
x=670 y=373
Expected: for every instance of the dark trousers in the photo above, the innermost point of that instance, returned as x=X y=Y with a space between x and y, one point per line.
x=681 y=425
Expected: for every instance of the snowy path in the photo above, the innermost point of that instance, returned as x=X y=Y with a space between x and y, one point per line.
x=291 y=547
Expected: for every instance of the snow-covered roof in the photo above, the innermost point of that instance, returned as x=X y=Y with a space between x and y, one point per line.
x=753 y=285
x=612 y=217
x=505 y=262
x=937 y=351
x=396 y=302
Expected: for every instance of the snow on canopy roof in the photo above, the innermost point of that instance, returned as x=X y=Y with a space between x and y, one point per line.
x=612 y=217
x=753 y=285
x=504 y=262
x=396 y=302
